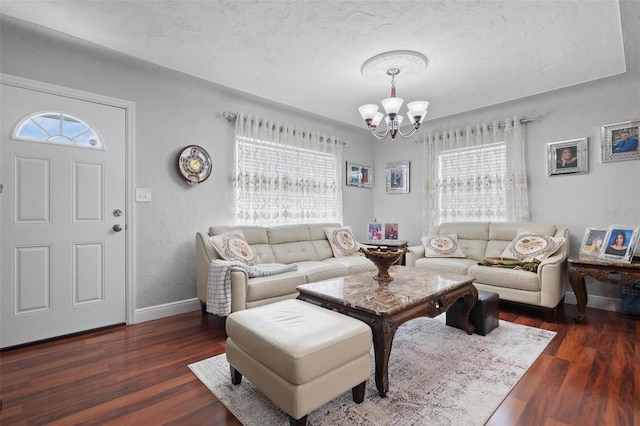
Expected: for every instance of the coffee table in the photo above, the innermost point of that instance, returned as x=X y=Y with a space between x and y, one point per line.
x=386 y=306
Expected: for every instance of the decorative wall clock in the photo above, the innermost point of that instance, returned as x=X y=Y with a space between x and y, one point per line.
x=194 y=164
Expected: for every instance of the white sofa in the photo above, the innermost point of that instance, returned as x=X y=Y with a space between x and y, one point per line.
x=479 y=240
x=306 y=245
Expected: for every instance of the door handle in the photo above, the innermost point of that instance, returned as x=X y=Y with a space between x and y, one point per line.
x=117 y=228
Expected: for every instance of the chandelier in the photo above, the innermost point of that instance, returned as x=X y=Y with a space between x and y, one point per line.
x=407 y=60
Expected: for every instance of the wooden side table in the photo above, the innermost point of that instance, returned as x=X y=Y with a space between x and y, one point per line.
x=603 y=271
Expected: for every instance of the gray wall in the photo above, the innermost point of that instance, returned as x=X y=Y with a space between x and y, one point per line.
x=174 y=110
x=608 y=194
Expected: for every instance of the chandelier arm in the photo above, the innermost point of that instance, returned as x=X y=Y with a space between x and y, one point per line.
x=380 y=135
x=410 y=133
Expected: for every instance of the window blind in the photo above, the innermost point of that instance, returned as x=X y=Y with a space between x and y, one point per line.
x=285 y=184
x=473 y=183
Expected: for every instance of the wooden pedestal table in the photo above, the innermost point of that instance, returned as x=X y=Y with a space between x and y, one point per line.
x=602 y=270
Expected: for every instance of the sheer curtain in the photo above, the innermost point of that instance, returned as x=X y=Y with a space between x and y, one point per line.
x=284 y=174
x=476 y=175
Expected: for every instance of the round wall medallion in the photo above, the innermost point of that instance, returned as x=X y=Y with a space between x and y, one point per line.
x=194 y=164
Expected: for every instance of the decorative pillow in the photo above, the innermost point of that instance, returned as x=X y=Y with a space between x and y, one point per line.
x=341 y=241
x=529 y=246
x=233 y=247
x=442 y=246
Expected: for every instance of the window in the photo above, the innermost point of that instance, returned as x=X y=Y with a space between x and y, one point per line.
x=58 y=128
x=292 y=178
x=473 y=184
x=476 y=175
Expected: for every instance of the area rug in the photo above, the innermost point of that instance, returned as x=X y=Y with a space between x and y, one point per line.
x=438 y=375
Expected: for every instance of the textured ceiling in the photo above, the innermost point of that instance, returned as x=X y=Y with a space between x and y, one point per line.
x=308 y=54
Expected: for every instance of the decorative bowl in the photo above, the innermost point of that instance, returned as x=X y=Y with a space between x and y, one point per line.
x=383 y=261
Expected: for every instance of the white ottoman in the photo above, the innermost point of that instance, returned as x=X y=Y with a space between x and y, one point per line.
x=299 y=355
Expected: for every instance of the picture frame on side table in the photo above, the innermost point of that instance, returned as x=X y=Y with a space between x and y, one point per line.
x=620 y=141
x=375 y=231
x=390 y=231
x=620 y=243
x=398 y=177
x=568 y=157
x=359 y=175
x=592 y=242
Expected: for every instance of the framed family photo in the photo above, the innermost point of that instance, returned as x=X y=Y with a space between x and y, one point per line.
x=397 y=177
x=390 y=231
x=379 y=231
x=568 y=157
x=593 y=241
x=620 y=243
x=375 y=231
x=359 y=175
x=620 y=141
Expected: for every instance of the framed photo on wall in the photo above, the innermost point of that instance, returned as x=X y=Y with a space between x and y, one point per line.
x=568 y=157
x=620 y=242
x=359 y=175
x=397 y=177
x=620 y=141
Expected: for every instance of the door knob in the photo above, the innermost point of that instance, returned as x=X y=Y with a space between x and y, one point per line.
x=117 y=228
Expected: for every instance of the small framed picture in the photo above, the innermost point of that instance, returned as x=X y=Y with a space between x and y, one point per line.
x=568 y=157
x=359 y=175
x=592 y=242
x=375 y=231
x=620 y=242
x=390 y=231
x=398 y=177
x=620 y=141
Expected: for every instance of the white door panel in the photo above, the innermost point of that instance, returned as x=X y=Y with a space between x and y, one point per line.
x=62 y=263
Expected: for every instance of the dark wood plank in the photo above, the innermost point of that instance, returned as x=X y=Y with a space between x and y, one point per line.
x=138 y=374
x=577 y=380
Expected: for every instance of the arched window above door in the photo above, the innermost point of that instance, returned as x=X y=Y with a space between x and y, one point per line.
x=59 y=128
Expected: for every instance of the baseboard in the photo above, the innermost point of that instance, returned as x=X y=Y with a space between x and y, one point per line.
x=175 y=308
x=168 y=309
x=597 y=302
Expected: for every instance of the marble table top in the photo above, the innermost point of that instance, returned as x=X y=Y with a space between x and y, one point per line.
x=594 y=260
x=410 y=286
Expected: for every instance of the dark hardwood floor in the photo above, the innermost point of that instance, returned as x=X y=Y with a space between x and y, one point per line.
x=588 y=375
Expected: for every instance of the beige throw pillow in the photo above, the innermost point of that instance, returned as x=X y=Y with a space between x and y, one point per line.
x=442 y=246
x=527 y=246
x=342 y=241
x=232 y=246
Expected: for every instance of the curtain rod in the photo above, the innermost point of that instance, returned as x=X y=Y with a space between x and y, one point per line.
x=231 y=117
x=527 y=120
x=524 y=121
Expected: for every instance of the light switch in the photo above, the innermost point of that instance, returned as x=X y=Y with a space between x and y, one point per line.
x=143 y=195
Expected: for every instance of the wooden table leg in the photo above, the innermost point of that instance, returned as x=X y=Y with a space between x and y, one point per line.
x=470 y=300
x=383 y=333
x=576 y=278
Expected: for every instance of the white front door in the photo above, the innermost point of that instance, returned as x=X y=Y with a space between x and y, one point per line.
x=62 y=261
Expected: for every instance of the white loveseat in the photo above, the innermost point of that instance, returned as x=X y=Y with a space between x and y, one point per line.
x=306 y=245
x=479 y=240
